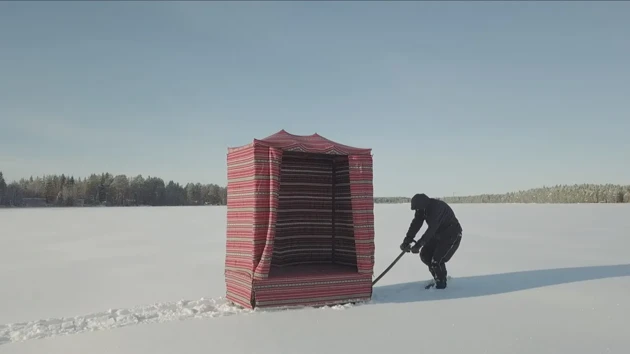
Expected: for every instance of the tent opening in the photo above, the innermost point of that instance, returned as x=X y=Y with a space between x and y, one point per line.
x=314 y=231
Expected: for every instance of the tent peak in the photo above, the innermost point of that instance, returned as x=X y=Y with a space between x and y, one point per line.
x=313 y=143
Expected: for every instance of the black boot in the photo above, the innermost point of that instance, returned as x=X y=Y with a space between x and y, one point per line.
x=440 y=284
x=439 y=271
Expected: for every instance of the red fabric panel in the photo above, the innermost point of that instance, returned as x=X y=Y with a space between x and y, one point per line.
x=239 y=257
x=343 y=243
x=239 y=288
x=308 y=289
x=253 y=183
x=239 y=246
x=362 y=190
x=267 y=172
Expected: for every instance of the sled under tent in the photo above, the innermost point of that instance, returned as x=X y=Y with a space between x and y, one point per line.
x=300 y=222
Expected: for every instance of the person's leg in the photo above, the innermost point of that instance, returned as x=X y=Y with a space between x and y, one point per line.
x=442 y=254
x=426 y=255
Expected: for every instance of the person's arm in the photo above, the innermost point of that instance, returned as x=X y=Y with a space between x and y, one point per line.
x=428 y=235
x=416 y=225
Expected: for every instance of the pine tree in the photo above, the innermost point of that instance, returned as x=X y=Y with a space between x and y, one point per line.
x=3 y=188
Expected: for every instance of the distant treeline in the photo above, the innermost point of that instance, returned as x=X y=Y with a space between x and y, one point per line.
x=577 y=193
x=107 y=189
x=120 y=190
x=391 y=200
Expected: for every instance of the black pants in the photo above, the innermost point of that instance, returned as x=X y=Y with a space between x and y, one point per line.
x=440 y=249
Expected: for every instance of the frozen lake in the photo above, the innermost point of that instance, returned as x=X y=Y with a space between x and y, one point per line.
x=527 y=279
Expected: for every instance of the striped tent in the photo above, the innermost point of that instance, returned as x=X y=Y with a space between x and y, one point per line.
x=300 y=222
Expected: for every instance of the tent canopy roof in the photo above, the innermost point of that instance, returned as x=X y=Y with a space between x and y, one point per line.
x=314 y=143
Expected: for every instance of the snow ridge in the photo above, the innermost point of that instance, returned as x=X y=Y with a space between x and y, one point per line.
x=116 y=318
x=156 y=313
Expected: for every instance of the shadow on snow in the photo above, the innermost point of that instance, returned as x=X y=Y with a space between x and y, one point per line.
x=493 y=284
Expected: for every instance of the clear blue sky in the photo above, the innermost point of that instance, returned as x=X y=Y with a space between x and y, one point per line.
x=453 y=97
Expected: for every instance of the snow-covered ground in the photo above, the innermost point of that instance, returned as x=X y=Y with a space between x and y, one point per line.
x=526 y=279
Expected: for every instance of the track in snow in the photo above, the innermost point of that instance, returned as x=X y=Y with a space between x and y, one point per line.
x=116 y=318
x=155 y=313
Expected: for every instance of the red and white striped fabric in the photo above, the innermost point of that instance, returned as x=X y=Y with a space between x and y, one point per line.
x=300 y=222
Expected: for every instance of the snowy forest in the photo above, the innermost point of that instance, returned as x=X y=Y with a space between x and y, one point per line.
x=106 y=189
x=565 y=194
x=577 y=193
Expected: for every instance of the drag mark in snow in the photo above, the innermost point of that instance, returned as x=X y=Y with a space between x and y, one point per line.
x=115 y=318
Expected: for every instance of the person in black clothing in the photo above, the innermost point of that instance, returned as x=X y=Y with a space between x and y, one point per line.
x=441 y=239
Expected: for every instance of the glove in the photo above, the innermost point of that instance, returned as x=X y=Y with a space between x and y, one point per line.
x=416 y=248
x=405 y=247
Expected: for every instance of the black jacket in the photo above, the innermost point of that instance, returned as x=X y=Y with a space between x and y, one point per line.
x=438 y=216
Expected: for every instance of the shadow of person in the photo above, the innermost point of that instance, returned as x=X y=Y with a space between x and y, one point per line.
x=493 y=284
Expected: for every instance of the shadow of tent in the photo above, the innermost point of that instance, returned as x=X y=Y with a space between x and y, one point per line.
x=493 y=284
